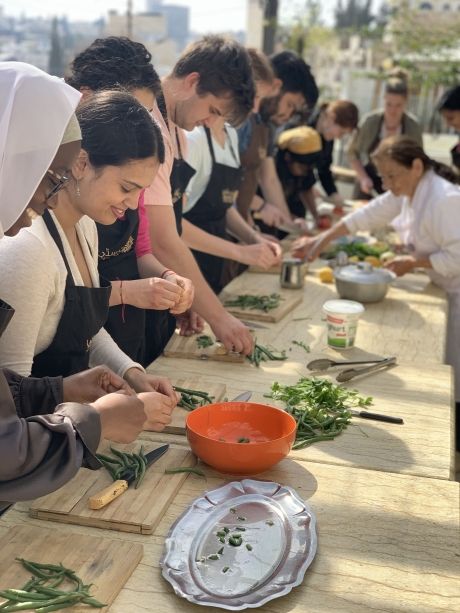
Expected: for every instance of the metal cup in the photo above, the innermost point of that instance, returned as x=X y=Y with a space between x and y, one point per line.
x=292 y=273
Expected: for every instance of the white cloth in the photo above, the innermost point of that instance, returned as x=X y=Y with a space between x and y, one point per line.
x=199 y=158
x=32 y=280
x=35 y=109
x=430 y=225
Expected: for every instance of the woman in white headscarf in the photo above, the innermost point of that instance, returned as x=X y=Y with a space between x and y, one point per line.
x=43 y=445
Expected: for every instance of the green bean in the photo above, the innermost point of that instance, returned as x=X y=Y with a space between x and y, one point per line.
x=142 y=467
x=225 y=569
x=13 y=594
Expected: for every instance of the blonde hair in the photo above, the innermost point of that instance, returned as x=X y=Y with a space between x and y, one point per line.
x=397 y=82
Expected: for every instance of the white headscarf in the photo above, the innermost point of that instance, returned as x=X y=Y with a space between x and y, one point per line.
x=35 y=109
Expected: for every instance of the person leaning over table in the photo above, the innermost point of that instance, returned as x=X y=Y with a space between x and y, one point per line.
x=449 y=107
x=46 y=432
x=61 y=304
x=392 y=120
x=111 y=63
x=211 y=79
x=423 y=205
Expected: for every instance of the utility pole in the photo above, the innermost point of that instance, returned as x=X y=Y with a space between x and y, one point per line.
x=270 y=25
x=129 y=19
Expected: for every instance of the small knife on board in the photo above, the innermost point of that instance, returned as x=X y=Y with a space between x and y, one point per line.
x=115 y=489
x=377 y=416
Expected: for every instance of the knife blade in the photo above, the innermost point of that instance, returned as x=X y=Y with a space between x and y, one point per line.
x=377 y=416
x=253 y=324
x=243 y=397
x=115 y=489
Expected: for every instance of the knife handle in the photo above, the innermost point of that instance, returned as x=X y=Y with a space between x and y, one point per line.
x=102 y=498
x=380 y=417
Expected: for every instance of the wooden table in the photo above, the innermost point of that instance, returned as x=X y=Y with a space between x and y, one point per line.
x=409 y=323
x=385 y=543
x=422 y=446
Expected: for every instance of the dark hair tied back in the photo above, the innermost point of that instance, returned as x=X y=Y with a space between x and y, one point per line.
x=117 y=129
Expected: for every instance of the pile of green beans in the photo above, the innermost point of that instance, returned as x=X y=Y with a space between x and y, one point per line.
x=263 y=354
x=204 y=341
x=263 y=303
x=320 y=408
x=41 y=593
x=121 y=462
x=192 y=399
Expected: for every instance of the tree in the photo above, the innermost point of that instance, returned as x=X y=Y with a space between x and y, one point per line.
x=56 y=60
x=354 y=16
x=270 y=26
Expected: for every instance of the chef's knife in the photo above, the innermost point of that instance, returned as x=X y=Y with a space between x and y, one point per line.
x=252 y=324
x=115 y=489
x=377 y=416
x=243 y=397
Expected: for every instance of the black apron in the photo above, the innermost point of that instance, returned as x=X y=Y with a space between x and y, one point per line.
x=160 y=325
x=209 y=212
x=118 y=261
x=85 y=312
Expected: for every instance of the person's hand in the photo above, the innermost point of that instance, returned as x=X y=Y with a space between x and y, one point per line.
x=401 y=265
x=307 y=247
x=274 y=245
x=233 y=334
x=122 y=417
x=259 y=254
x=158 y=409
x=152 y=293
x=300 y=224
x=272 y=216
x=187 y=293
x=145 y=382
x=366 y=184
x=190 y=323
x=89 y=385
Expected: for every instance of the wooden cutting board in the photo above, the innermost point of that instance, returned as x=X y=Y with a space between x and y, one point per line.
x=287 y=304
x=105 y=563
x=134 y=511
x=186 y=347
x=177 y=425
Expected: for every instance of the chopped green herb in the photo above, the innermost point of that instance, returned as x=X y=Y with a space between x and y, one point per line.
x=221 y=551
x=185 y=469
x=232 y=510
x=301 y=344
x=240 y=529
x=235 y=540
x=204 y=341
x=269 y=522
x=239 y=518
x=213 y=556
x=225 y=569
x=248 y=547
x=263 y=303
x=243 y=440
x=226 y=530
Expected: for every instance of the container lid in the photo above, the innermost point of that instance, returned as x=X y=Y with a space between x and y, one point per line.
x=364 y=273
x=344 y=307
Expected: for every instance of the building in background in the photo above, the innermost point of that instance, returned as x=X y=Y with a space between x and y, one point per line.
x=177 y=20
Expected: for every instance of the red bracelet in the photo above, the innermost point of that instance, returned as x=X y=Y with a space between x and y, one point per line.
x=167 y=272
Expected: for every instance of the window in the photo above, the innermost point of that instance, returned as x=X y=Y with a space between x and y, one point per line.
x=426 y=6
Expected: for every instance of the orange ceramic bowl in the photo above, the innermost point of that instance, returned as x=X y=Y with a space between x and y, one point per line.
x=240 y=437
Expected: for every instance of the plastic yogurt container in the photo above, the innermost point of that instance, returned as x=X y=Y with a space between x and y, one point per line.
x=342 y=321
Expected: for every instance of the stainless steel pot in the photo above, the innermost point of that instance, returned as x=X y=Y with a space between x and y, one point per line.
x=292 y=273
x=362 y=282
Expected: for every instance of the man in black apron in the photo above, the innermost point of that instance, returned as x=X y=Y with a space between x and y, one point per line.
x=209 y=212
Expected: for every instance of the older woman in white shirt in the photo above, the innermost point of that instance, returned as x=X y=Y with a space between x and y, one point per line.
x=55 y=261
x=423 y=205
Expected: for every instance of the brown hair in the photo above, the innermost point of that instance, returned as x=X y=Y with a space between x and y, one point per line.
x=346 y=113
x=224 y=67
x=261 y=68
x=397 y=83
x=403 y=150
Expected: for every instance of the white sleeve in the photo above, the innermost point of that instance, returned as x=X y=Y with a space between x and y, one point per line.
x=26 y=284
x=377 y=214
x=197 y=147
x=105 y=351
x=445 y=229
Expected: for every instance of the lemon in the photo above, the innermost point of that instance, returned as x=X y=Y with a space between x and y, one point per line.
x=326 y=274
x=387 y=257
x=372 y=259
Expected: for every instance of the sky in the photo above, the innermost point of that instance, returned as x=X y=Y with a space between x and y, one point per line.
x=206 y=15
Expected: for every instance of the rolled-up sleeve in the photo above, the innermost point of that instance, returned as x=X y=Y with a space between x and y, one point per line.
x=445 y=221
x=377 y=214
x=34 y=396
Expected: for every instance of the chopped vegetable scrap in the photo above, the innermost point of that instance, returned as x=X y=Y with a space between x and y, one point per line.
x=204 y=341
x=263 y=303
x=320 y=408
x=263 y=354
x=184 y=469
x=121 y=462
x=192 y=399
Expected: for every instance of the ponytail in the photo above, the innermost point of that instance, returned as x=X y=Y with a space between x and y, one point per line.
x=444 y=171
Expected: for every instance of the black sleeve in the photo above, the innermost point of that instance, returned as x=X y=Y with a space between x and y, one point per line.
x=324 y=169
x=33 y=396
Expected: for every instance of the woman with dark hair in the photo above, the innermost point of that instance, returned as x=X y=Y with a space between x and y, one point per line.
x=118 y=62
x=449 y=107
x=392 y=120
x=423 y=205
x=61 y=304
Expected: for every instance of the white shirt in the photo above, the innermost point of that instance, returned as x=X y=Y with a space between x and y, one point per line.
x=32 y=281
x=430 y=223
x=199 y=158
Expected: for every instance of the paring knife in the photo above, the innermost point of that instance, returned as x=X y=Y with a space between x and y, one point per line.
x=243 y=397
x=115 y=489
x=377 y=416
x=253 y=324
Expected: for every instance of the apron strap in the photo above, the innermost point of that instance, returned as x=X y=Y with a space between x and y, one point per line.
x=211 y=148
x=57 y=239
x=232 y=150
x=179 y=150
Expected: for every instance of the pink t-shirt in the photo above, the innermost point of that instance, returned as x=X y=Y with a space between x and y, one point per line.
x=159 y=193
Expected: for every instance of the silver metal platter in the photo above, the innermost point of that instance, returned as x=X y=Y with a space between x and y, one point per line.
x=277 y=540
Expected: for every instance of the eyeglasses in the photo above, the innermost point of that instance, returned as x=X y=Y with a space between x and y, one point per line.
x=59 y=181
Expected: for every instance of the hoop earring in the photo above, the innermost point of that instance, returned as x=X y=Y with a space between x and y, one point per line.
x=77 y=189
